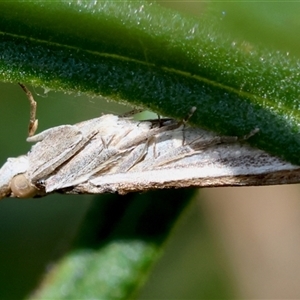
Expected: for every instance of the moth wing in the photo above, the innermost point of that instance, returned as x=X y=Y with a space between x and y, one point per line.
x=93 y=158
x=79 y=165
x=54 y=149
x=101 y=154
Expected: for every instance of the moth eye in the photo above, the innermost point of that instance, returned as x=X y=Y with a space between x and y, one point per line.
x=21 y=187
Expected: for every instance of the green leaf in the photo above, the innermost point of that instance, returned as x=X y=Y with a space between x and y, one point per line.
x=156 y=58
x=113 y=255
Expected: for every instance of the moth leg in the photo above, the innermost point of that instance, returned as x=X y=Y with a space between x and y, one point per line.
x=104 y=143
x=184 y=122
x=151 y=140
x=167 y=125
x=192 y=111
x=159 y=120
x=154 y=147
x=131 y=112
x=249 y=135
x=232 y=139
x=33 y=122
x=198 y=144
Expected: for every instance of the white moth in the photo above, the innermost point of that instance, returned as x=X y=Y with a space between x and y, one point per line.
x=114 y=154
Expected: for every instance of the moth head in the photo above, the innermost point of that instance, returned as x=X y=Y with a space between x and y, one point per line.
x=12 y=167
x=21 y=187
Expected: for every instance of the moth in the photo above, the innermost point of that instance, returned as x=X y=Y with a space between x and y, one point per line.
x=113 y=154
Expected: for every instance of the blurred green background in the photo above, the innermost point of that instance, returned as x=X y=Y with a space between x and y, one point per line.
x=231 y=242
